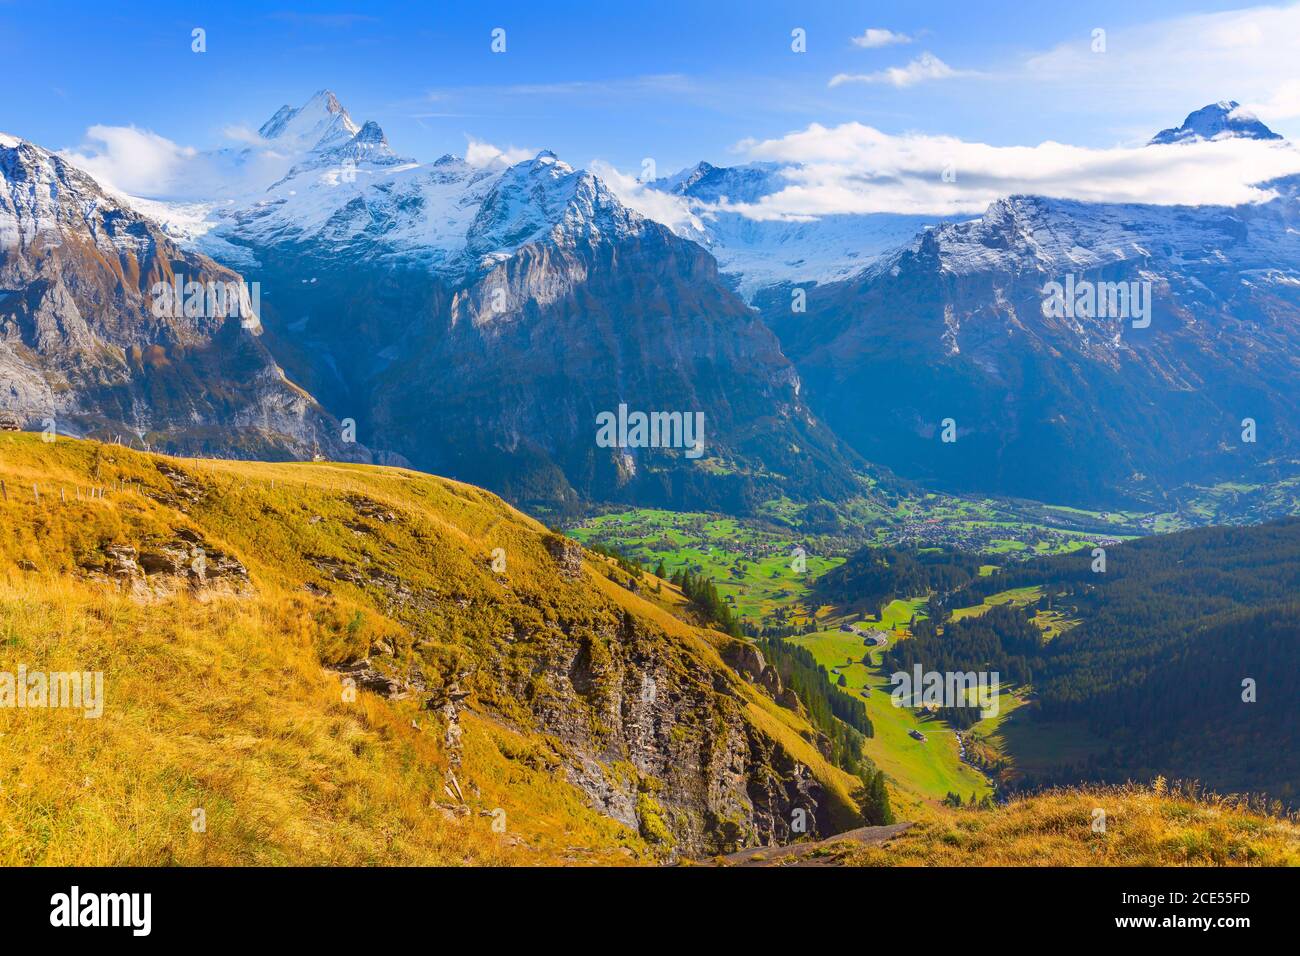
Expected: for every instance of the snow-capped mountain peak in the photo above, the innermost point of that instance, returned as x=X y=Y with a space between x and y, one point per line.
x=43 y=197
x=1222 y=120
x=546 y=196
x=705 y=182
x=680 y=184
x=369 y=145
x=320 y=123
x=356 y=194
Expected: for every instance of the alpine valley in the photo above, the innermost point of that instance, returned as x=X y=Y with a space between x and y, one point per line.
x=360 y=552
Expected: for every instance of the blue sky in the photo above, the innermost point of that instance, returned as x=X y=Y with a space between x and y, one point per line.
x=620 y=82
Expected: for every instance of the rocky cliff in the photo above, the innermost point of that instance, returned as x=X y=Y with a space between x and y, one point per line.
x=107 y=328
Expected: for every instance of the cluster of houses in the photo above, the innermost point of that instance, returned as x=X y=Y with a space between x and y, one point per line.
x=873 y=636
x=934 y=532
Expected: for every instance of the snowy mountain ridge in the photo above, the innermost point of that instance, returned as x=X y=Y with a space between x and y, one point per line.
x=342 y=185
x=759 y=254
x=347 y=190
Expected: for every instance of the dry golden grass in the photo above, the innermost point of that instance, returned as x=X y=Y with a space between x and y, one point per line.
x=1145 y=826
x=224 y=707
x=223 y=704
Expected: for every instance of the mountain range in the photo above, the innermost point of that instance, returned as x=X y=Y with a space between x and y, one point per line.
x=474 y=320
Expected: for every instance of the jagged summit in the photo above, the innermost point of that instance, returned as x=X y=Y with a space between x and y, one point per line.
x=708 y=183
x=450 y=214
x=545 y=196
x=370 y=133
x=680 y=183
x=320 y=123
x=321 y=134
x=42 y=194
x=82 y=273
x=368 y=145
x=1222 y=120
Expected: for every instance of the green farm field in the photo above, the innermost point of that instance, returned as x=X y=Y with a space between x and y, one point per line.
x=759 y=572
x=928 y=769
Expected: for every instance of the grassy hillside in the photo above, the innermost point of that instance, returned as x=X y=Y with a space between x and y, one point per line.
x=545 y=710
x=1144 y=826
x=539 y=712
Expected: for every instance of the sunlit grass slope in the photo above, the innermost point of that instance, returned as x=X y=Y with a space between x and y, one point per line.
x=222 y=699
x=1143 y=826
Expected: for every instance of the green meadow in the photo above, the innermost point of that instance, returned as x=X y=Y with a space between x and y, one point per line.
x=758 y=571
x=1050 y=622
x=1016 y=597
x=929 y=768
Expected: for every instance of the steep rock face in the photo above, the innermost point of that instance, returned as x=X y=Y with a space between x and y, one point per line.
x=511 y=399
x=1067 y=407
x=620 y=697
x=82 y=344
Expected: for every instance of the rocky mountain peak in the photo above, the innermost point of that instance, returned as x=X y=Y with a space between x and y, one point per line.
x=370 y=133
x=546 y=196
x=368 y=145
x=681 y=183
x=320 y=123
x=708 y=183
x=41 y=194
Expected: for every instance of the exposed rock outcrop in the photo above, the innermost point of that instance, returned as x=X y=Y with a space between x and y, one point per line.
x=162 y=566
x=567 y=554
x=748 y=661
x=617 y=699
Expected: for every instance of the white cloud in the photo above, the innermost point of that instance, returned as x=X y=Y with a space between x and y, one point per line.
x=130 y=160
x=925 y=67
x=854 y=168
x=672 y=211
x=1248 y=55
x=479 y=153
x=245 y=134
x=875 y=37
x=140 y=163
x=1283 y=103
